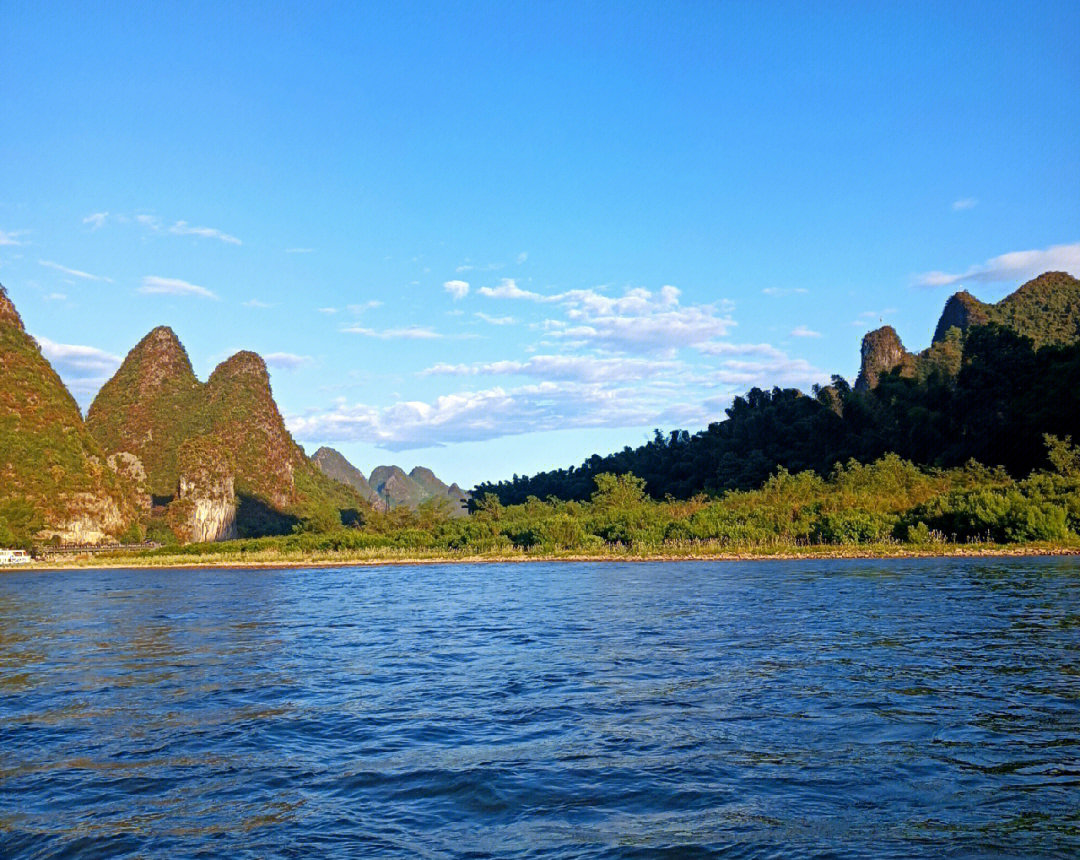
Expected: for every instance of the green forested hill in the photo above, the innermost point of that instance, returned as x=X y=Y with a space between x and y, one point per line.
x=154 y=404
x=53 y=475
x=1045 y=309
x=986 y=391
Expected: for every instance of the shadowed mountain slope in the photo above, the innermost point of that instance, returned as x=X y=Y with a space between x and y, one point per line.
x=54 y=477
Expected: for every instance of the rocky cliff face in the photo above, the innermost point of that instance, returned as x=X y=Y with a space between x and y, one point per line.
x=48 y=460
x=961 y=311
x=882 y=352
x=206 y=504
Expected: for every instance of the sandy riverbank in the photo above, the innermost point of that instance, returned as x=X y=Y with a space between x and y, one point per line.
x=254 y=561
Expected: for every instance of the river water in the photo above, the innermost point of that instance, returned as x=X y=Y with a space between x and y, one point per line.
x=766 y=709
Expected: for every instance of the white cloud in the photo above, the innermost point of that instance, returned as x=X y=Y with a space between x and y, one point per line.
x=784 y=291
x=84 y=369
x=11 y=237
x=182 y=228
x=154 y=285
x=364 y=306
x=97 y=220
x=457 y=289
x=581 y=368
x=494 y=320
x=522 y=257
x=508 y=289
x=742 y=375
x=804 y=331
x=1014 y=266
x=726 y=348
x=406 y=333
x=151 y=221
x=327 y=310
x=77 y=356
x=299 y=250
x=964 y=203
x=55 y=297
x=486 y=414
x=255 y=303
x=75 y=273
x=287 y=360
x=640 y=320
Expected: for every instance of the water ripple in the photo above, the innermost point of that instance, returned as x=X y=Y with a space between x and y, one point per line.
x=815 y=709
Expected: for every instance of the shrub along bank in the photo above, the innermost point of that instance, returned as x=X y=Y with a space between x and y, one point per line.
x=888 y=502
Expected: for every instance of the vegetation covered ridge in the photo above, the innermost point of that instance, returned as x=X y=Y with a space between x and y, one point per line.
x=987 y=390
x=888 y=507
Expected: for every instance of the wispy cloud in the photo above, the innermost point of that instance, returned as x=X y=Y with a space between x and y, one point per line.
x=75 y=273
x=472 y=267
x=508 y=289
x=639 y=320
x=407 y=333
x=97 y=220
x=182 y=228
x=581 y=368
x=494 y=320
x=287 y=360
x=964 y=203
x=784 y=291
x=804 y=331
x=255 y=303
x=522 y=257
x=362 y=307
x=299 y=250
x=486 y=414
x=1014 y=266
x=457 y=289
x=84 y=369
x=11 y=237
x=327 y=310
x=154 y=285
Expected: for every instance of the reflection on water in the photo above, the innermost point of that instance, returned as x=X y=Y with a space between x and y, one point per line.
x=901 y=708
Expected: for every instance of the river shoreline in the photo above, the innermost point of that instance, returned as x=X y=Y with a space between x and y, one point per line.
x=810 y=553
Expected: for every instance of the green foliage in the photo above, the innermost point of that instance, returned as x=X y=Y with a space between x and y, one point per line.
x=1063 y=455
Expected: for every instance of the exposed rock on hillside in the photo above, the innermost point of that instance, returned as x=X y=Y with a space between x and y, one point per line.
x=155 y=405
x=882 y=351
x=48 y=460
x=205 y=507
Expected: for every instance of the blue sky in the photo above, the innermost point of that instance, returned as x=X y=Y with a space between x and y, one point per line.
x=494 y=238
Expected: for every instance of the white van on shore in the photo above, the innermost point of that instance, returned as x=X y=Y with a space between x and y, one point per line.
x=14 y=556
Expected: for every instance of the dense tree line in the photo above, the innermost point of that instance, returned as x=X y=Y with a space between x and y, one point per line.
x=995 y=409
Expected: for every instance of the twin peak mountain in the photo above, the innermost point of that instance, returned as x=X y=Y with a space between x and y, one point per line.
x=160 y=450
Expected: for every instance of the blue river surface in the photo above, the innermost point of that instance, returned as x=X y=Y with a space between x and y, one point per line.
x=902 y=708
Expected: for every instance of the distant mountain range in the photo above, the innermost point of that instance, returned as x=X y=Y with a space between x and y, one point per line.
x=389 y=486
